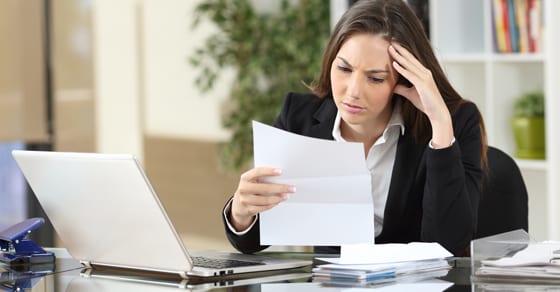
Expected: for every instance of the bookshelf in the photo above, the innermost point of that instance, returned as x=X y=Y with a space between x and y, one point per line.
x=462 y=36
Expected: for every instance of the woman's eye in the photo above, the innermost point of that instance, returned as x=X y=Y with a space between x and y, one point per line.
x=343 y=69
x=376 y=80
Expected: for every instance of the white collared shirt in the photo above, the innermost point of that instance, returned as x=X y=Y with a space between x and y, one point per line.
x=379 y=161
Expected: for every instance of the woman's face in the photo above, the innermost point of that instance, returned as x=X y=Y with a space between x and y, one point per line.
x=362 y=80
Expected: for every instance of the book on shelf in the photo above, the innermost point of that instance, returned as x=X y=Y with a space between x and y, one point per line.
x=521 y=16
x=512 y=25
x=535 y=24
x=517 y=25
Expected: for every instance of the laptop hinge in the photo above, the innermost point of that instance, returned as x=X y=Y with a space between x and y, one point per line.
x=87 y=264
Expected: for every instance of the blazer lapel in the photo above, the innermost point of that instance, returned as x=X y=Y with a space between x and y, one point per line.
x=325 y=116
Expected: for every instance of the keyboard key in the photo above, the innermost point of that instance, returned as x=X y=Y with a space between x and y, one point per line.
x=215 y=263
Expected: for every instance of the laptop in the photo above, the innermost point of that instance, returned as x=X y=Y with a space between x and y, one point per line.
x=108 y=215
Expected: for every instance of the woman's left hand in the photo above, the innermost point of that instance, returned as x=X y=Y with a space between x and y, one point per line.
x=424 y=93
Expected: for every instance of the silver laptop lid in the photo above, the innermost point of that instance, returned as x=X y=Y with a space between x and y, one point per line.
x=104 y=210
x=98 y=280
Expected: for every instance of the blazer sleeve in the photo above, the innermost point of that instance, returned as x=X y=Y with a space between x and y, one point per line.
x=453 y=185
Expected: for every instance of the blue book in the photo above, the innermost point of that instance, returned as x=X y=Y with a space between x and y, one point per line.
x=513 y=26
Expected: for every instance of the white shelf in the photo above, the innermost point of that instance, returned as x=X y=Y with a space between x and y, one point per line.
x=491 y=57
x=518 y=57
x=530 y=164
x=461 y=34
x=463 y=58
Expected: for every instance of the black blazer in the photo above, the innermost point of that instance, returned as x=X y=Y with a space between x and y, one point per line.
x=433 y=195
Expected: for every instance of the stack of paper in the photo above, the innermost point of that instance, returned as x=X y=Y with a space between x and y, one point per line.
x=382 y=263
x=424 y=286
x=381 y=273
x=536 y=261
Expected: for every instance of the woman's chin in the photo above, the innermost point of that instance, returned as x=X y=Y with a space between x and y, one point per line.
x=353 y=119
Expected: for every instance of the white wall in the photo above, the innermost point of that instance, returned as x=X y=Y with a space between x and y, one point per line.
x=116 y=82
x=173 y=105
x=337 y=8
x=144 y=83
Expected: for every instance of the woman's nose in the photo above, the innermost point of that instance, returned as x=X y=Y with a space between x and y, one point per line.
x=355 y=86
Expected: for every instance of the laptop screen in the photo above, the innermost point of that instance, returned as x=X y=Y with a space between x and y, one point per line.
x=104 y=209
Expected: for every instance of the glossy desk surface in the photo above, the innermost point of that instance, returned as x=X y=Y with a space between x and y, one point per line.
x=68 y=275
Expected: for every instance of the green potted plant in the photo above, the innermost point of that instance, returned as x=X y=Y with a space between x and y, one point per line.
x=272 y=53
x=528 y=125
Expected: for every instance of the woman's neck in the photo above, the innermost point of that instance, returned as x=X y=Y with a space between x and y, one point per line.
x=359 y=133
x=365 y=133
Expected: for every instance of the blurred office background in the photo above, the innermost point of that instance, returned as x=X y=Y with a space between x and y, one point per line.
x=115 y=77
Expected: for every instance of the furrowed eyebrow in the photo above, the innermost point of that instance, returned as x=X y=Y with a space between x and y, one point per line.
x=373 y=71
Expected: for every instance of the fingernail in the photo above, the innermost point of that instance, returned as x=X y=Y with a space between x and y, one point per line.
x=277 y=171
x=285 y=196
x=292 y=189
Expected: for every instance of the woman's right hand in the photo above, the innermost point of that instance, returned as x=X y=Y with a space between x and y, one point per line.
x=254 y=196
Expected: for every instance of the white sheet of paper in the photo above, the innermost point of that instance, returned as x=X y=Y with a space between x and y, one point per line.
x=332 y=204
x=389 y=253
x=539 y=253
x=399 y=267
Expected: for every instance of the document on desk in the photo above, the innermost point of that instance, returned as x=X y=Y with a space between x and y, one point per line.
x=535 y=254
x=538 y=261
x=387 y=253
x=332 y=204
x=428 y=285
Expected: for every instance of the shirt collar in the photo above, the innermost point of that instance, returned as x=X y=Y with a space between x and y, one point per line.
x=396 y=120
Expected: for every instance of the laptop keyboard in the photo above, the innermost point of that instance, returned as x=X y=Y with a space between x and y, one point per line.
x=216 y=263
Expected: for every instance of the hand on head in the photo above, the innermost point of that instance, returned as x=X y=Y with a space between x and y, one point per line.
x=254 y=196
x=424 y=93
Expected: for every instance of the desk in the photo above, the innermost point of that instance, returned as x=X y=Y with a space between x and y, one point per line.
x=68 y=275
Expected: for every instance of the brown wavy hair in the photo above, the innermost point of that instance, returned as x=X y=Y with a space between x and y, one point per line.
x=394 y=20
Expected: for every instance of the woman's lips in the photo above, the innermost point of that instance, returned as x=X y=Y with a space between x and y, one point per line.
x=352 y=108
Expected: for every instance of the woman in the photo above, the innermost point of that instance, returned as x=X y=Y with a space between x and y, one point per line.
x=380 y=84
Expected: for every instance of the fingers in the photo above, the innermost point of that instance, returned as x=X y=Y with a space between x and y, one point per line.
x=246 y=206
x=407 y=65
x=264 y=189
x=251 y=205
x=251 y=182
x=405 y=59
x=257 y=172
x=401 y=70
x=263 y=194
x=254 y=196
x=409 y=93
x=425 y=95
